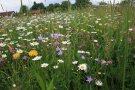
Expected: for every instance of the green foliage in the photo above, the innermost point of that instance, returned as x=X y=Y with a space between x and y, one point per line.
x=102 y=33
x=102 y=3
x=38 y=6
x=126 y=2
x=83 y=3
x=38 y=77
x=24 y=9
x=65 y=5
x=50 y=7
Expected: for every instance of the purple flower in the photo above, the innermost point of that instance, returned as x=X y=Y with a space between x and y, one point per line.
x=89 y=79
x=59 y=51
x=82 y=57
x=55 y=36
x=56 y=43
x=40 y=37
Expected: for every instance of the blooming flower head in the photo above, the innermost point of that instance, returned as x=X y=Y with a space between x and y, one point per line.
x=33 y=53
x=40 y=37
x=89 y=79
x=4 y=55
x=66 y=42
x=98 y=83
x=44 y=65
x=55 y=36
x=130 y=29
x=16 y=55
x=59 y=51
x=34 y=44
x=19 y=51
x=81 y=52
x=74 y=62
x=60 y=61
x=2 y=44
x=37 y=58
x=82 y=67
x=57 y=43
x=14 y=85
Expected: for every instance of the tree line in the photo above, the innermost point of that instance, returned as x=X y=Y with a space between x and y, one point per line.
x=64 y=6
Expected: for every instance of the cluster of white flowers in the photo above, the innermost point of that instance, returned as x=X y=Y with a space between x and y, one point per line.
x=44 y=65
x=34 y=44
x=83 y=52
x=60 y=61
x=74 y=62
x=4 y=55
x=2 y=44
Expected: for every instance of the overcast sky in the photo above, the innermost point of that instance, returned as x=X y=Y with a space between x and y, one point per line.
x=14 y=5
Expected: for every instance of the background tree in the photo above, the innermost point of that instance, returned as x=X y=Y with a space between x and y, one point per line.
x=57 y=7
x=50 y=7
x=102 y=3
x=65 y=5
x=126 y=2
x=83 y=3
x=38 y=6
x=24 y=9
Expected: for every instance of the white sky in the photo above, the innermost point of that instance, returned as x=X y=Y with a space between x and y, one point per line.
x=14 y=5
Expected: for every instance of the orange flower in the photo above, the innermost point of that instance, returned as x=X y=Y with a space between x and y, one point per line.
x=33 y=53
x=16 y=55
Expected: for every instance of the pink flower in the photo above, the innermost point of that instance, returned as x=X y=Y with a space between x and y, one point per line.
x=25 y=57
x=57 y=43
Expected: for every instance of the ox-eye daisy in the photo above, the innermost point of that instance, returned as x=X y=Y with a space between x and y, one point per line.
x=82 y=67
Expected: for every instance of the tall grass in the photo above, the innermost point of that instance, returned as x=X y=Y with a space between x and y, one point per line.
x=115 y=42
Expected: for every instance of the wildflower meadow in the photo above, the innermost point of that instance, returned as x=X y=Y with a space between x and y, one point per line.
x=86 y=49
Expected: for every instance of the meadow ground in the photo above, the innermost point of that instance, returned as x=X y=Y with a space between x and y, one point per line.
x=88 y=49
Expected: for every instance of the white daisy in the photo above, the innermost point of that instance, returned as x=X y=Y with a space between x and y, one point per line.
x=2 y=44
x=74 y=62
x=4 y=55
x=44 y=65
x=82 y=67
x=98 y=83
x=60 y=61
x=37 y=58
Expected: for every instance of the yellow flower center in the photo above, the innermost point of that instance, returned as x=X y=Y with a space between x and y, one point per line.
x=82 y=67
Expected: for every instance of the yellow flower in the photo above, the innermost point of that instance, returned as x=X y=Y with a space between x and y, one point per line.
x=33 y=53
x=16 y=55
